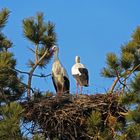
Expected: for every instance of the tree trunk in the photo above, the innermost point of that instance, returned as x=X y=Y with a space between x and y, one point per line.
x=31 y=75
x=114 y=84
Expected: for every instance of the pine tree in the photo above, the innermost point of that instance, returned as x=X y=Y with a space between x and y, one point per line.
x=43 y=36
x=123 y=67
x=10 y=122
x=132 y=101
x=11 y=88
x=126 y=70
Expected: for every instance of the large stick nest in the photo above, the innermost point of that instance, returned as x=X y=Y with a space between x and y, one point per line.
x=66 y=116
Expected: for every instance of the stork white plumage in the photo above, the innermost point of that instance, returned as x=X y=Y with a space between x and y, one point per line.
x=59 y=75
x=80 y=73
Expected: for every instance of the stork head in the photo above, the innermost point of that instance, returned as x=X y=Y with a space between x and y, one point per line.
x=77 y=59
x=55 y=48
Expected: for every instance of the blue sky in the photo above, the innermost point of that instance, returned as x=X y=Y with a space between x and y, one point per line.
x=88 y=28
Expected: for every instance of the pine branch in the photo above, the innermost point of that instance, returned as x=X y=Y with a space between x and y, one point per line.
x=36 y=75
x=33 y=51
x=114 y=84
x=32 y=71
x=36 y=54
x=132 y=71
x=4 y=14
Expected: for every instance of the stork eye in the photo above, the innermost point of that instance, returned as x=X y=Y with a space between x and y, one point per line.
x=55 y=48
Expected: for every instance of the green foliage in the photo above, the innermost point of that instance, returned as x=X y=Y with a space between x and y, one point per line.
x=47 y=57
x=94 y=124
x=127 y=60
x=133 y=132
x=94 y=121
x=136 y=35
x=112 y=61
x=42 y=34
x=4 y=14
x=125 y=65
x=109 y=73
x=11 y=88
x=128 y=74
x=132 y=100
x=30 y=63
x=38 y=137
x=10 y=85
x=129 y=98
x=29 y=30
x=39 y=32
x=50 y=38
x=7 y=60
x=130 y=47
x=96 y=129
x=10 y=121
x=4 y=42
x=135 y=115
x=113 y=66
x=132 y=55
x=135 y=84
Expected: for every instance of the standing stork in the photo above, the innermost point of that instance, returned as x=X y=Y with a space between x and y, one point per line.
x=80 y=73
x=59 y=75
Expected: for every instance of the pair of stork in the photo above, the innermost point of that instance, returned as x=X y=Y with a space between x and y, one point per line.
x=60 y=77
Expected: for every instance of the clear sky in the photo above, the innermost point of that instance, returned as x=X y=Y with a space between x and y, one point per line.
x=88 y=28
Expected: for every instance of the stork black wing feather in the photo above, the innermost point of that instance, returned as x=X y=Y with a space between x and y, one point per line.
x=84 y=74
x=66 y=85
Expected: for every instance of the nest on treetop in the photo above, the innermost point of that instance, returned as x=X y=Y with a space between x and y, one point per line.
x=66 y=117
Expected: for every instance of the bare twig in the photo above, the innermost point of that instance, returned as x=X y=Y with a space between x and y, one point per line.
x=132 y=71
x=36 y=75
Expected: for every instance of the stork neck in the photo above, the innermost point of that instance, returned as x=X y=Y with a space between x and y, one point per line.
x=77 y=60
x=56 y=55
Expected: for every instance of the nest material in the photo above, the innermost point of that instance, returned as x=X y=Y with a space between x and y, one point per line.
x=66 y=116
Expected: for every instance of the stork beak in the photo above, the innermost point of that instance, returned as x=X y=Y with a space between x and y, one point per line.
x=53 y=49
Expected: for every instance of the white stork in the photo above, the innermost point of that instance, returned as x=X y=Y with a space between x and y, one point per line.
x=59 y=75
x=80 y=73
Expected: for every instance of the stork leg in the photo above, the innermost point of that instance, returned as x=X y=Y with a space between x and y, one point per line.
x=81 y=89
x=60 y=89
x=59 y=94
x=64 y=91
x=77 y=87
